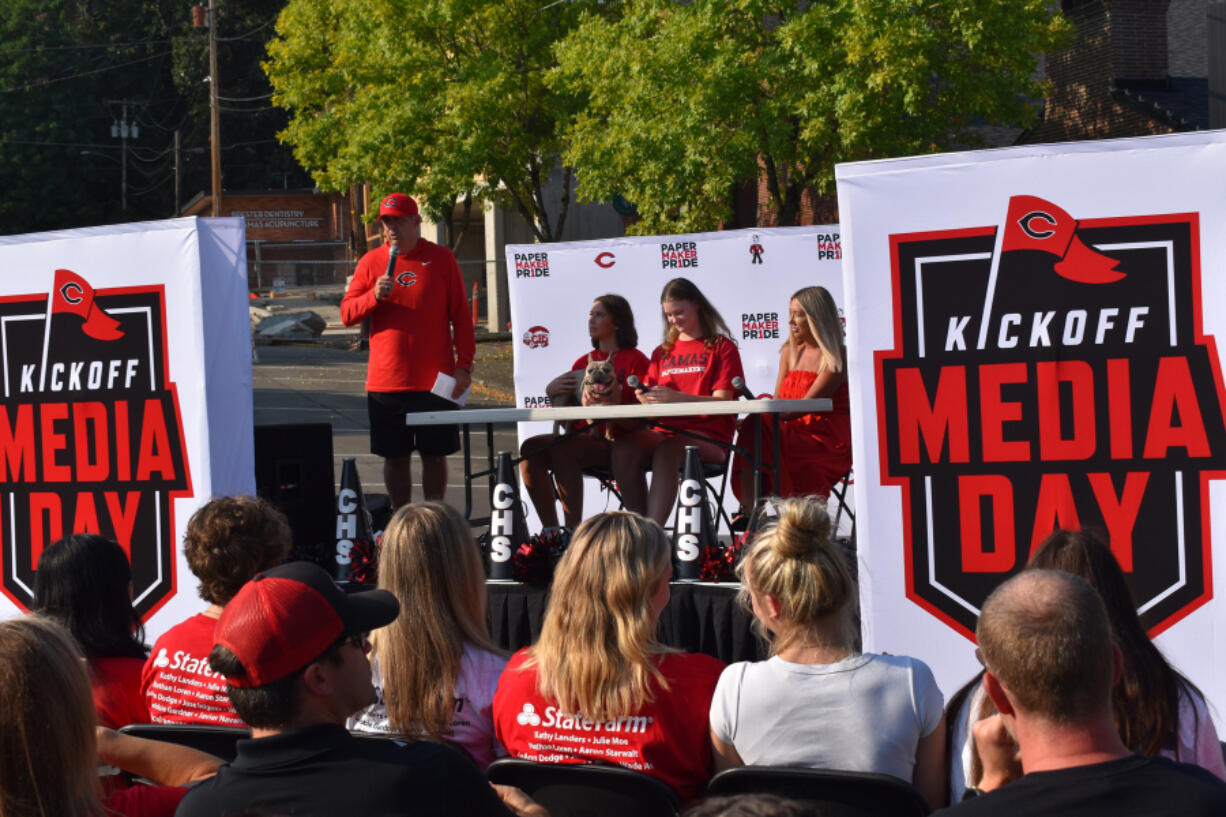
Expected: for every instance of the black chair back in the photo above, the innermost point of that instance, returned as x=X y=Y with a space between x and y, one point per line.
x=587 y=790
x=218 y=741
x=837 y=794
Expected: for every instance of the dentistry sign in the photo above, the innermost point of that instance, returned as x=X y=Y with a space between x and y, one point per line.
x=1037 y=351
x=126 y=381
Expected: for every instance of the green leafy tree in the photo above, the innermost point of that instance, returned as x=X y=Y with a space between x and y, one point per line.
x=444 y=98
x=686 y=100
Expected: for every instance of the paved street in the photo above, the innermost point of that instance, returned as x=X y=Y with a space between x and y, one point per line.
x=319 y=383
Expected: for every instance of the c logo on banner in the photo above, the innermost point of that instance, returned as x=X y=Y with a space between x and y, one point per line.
x=606 y=260
x=1037 y=215
x=72 y=286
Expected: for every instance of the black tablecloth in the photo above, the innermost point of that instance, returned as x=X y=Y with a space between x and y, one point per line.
x=702 y=618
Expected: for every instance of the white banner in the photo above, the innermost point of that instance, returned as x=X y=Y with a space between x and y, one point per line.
x=748 y=275
x=124 y=408
x=1032 y=346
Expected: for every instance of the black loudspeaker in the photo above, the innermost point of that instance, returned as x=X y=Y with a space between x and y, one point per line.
x=294 y=471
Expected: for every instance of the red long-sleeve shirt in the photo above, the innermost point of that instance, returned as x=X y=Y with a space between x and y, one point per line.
x=414 y=330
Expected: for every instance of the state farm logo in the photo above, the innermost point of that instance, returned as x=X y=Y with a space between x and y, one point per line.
x=759 y=325
x=605 y=260
x=537 y=337
x=538 y=401
x=829 y=247
x=528 y=716
x=1052 y=373
x=679 y=255
x=531 y=264
x=90 y=434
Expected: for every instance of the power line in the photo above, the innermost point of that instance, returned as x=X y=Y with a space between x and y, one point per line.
x=246 y=98
x=84 y=47
x=260 y=27
x=53 y=80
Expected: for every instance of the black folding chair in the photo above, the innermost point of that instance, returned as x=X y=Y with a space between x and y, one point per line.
x=837 y=794
x=587 y=790
x=839 y=492
x=218 y=741
x=710 y=471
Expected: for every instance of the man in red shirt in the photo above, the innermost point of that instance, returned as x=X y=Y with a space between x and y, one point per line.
x=420 y=327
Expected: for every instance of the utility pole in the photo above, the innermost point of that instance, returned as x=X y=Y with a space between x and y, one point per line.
x=178 y=170
x=121 y=129
x=214 y=110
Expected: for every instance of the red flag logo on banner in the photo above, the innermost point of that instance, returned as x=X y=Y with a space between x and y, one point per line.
x=74 y=295
x=1035 y=224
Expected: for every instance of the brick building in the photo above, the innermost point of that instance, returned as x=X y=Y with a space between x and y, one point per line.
x=298 y=237
x=1115 y=78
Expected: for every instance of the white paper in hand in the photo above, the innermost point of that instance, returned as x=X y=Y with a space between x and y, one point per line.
x=444 y=385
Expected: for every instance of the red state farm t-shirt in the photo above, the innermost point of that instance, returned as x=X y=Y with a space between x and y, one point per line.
x=692 y=368
x=668 y=738
x=179 y=685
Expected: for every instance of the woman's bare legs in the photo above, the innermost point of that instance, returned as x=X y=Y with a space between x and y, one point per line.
x=584 y=450
x=631 y=454
x=534 y=471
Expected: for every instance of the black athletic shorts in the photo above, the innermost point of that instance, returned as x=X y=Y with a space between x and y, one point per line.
x=390 y=437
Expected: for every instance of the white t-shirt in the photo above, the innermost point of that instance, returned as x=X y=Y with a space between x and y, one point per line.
x=472 y=723
x=865 y=713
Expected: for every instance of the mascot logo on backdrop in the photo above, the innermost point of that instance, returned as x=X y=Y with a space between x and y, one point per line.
x=1052 y=373
x=90 y=434
x=756 y=250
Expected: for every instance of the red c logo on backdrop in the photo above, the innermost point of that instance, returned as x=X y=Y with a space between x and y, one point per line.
x=606 y=260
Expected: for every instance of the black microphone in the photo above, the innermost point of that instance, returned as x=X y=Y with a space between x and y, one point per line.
x=633 y=382
x=391 y=258
x=738 y=383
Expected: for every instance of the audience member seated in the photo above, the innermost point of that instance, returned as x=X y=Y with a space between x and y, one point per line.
x=84 y=582
x=610 y=324
x=435 y=668
x=49 y=752
x=1049 y=667
x=292 y=645
x=597 y=685
x=1157 y=710
x=817 y=702
x=815 y=448
x=696 y=362
x=228 y=541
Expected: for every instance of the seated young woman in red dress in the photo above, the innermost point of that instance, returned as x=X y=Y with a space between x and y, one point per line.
x=697 y=361
x=597 y=685
x=815 y=448
x=549 y=463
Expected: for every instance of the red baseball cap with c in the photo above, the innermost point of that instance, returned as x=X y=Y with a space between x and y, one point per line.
x=398 y=205
x=288 y=616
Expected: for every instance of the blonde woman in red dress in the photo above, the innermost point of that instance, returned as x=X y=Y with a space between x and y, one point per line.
x=815 y=448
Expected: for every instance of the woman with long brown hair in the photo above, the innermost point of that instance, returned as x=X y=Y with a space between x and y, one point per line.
x=554 y=468
x=597 y=685
x=696 y=362
x=1157 y=710
x=435 y=668
x=50 y=747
